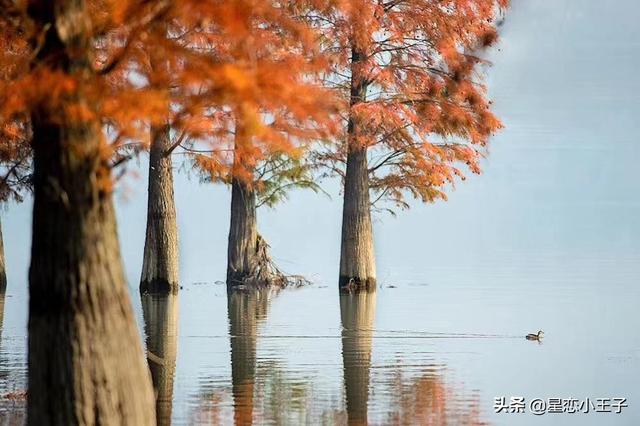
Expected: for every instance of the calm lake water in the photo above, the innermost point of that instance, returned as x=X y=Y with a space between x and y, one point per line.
x=548 y=237
x=434 y=351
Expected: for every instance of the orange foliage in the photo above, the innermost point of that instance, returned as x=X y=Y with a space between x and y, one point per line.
x=14 y=132
x=207 y=68
x=238 y=81
x=425 y=111
x=204 y=67
x=111 y=92
x=253 y=68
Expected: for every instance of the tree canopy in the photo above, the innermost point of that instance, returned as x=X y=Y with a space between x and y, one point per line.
x=423 y=111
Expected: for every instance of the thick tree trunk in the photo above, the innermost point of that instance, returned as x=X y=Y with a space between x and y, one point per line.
x=357 y=257
x=160 y=312
x=3 y=270
x=86 y=363
x=242 y=257
x=248 y=259
x=357 y=312
x=160 y=261
x=245 y=309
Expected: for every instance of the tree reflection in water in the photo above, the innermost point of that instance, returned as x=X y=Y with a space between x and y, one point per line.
x=12 y=401
x=423 y=399
x=261 y=392
x=246 y=309
x=2 y=297
x=357 y=315
x=160 y=312
x=268 y=391
x=429 y=400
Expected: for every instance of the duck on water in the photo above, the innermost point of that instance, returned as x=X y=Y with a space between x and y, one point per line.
x=538 y=336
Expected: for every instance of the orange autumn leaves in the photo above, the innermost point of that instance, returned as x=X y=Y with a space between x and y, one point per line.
x=242 y=81
x=425 y=111
x=266 y=82
x=115 y=100
x=14 y=132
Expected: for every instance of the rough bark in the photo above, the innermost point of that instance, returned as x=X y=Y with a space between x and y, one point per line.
x=86 y=363
x=249 y=262
x=357 y=312
x=245 y=309
x=160 y=261
x=357 y=257
x=242 y=259
x=160 y=314
x=3 y=270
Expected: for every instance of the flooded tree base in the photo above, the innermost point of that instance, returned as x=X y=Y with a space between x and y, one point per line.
x=158 y=286
x=354 y=284
x=264 y=272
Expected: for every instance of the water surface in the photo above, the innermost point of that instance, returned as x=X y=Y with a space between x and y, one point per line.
x=430 y=352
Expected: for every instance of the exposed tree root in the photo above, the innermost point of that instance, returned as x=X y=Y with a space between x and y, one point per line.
x=265 y=273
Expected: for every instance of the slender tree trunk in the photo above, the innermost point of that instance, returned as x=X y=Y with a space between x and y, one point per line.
x=243 y=234
x=3 y=270
x=357 y=257
x=160 y=314
x=86 y=363
x=160 y=262
x=357 y=312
